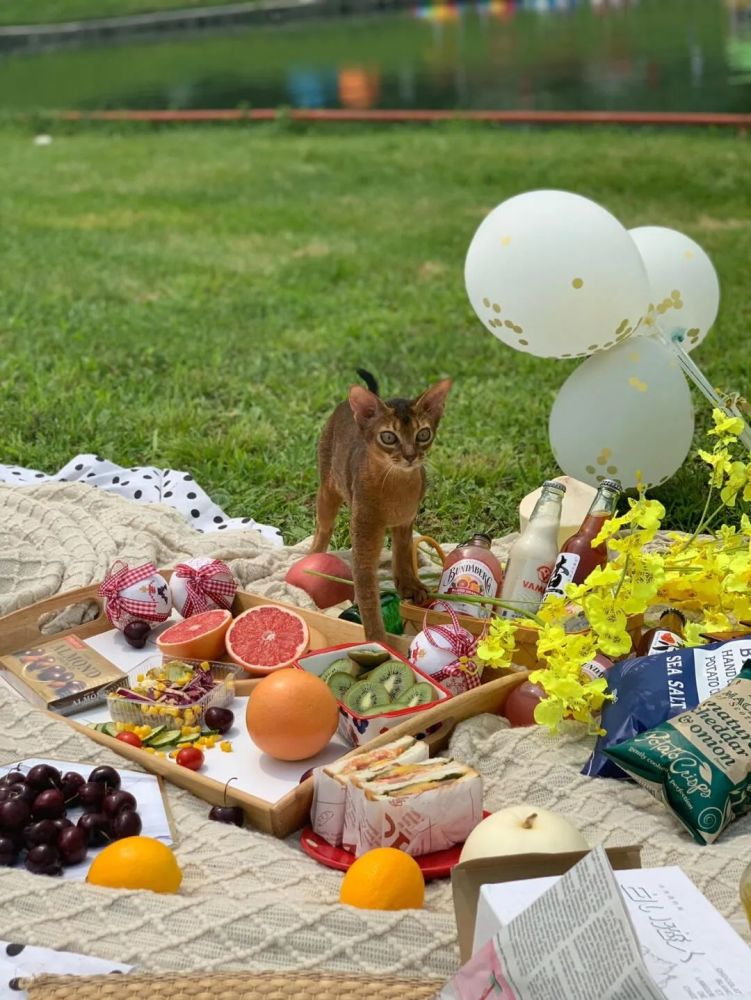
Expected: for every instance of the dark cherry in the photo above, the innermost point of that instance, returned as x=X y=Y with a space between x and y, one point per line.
x=126 y=824
x=106 y=776
x=91 y=795
x=63 y=823
x=43 y=776
x=136 y=634
x=48 y=805
x=14 y=815
x=72 y=845
x=25 y=793
x=5 y=793
x=44 y=860
x=8 y=852
x=71 y=783
x=220 y=719
x=115 y=802
x=13 y=778
x=43 y=832
x=306 y=774
x=227 y=814
x=97 y=828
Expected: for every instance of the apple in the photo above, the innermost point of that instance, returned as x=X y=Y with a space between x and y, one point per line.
x=522 y=829
x=325 y=593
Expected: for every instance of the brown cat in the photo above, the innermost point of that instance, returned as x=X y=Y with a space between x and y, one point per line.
x=371 y=455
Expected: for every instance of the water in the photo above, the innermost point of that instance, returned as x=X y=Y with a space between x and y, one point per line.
x=686 y=55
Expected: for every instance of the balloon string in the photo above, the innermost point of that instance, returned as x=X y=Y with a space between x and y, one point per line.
x=697 y=376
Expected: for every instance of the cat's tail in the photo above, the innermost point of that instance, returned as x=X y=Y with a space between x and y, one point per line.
x=368 y=379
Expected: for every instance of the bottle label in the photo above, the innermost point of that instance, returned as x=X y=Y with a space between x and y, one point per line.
x=563 y=573
x=663 y=641
x=471 y=577
x=597 y=667
x=526 y=588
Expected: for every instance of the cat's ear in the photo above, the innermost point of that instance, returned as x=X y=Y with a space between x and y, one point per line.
x=365 y=405
x=433 y=399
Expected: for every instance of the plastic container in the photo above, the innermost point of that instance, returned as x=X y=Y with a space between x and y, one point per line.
x=138 y=714
x=358 y=729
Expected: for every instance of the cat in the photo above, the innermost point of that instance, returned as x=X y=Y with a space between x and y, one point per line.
x=371 y=456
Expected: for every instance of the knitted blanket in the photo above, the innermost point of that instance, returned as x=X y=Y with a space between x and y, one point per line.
x=249 y=901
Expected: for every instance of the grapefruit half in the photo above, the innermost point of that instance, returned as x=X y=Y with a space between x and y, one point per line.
x=200 y=637
x=266 y=638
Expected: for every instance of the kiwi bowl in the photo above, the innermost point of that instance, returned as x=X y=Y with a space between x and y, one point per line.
x=376 y=688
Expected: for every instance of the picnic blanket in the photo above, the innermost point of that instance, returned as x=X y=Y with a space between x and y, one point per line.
x=249 y=901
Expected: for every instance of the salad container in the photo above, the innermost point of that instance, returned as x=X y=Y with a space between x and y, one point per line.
x=180 y=706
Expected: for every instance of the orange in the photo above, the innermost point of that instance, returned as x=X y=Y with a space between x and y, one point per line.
x=136 y=863
x=384 y=879
x=291 y=714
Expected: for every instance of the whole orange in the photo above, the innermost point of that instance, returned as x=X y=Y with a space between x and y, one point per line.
x=136 y=863
x=291 y=714
x=384 y=879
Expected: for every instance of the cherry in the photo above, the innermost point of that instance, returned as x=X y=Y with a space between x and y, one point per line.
x=115 y=802
x=72 y=845
x=43 y=776
x=136 y=634
x=225 y=813
x=126 y=824
x=25 y=793
x=220 y=719
x=106 y=776
x=14 y=815
x=8 y=852
x=71 y=783
x=43 y=832
x=91 y=795
x=63 y=823
x=48 y=805
x=13 y=777
x=44 y=860
x=97 y=828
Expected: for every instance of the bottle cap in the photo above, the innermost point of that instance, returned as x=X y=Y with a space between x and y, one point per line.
x=612 y=484
x=673 y=611
x=482 y=538
x=551 y=484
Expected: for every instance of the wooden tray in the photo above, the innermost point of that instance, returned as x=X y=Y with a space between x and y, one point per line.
x=21 y=629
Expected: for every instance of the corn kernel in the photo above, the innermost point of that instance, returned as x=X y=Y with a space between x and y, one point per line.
x=150 y=750
x=173 y=753
x=186 y=731
x=160 y=753
x=120 y=727
x=140 y=677
x=225 y=746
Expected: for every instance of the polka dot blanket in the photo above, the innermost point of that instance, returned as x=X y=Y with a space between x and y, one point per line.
x=148 y=484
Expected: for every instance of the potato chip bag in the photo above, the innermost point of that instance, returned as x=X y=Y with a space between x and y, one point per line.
x=698 y=763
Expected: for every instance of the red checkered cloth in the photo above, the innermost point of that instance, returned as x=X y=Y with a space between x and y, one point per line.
x=203 y=587
x=119 y=578
x=463 y=674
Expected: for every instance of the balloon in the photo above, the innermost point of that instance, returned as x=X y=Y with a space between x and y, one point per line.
x=624 y=411
x=685 y=289
x=555 y=275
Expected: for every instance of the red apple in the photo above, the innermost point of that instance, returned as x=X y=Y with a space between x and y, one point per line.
x=324 y=592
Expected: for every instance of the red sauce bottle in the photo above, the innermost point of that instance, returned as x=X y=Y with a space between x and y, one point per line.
x=668 y=635
x=472 y=569
x=579 y=557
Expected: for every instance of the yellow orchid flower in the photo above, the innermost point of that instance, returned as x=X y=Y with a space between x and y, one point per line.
x=726 y=428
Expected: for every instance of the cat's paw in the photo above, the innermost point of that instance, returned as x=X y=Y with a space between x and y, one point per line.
x=412 y=591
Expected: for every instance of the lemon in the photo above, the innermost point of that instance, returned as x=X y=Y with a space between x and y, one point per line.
x=136 y=863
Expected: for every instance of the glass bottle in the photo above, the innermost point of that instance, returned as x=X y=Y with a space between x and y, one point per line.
x=533 y=554
x=665 y=636
x=472 y=569
x=579 y=557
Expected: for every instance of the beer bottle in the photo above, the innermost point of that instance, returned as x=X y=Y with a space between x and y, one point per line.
x=665 y=636
x=579 y=557
x=533 y=554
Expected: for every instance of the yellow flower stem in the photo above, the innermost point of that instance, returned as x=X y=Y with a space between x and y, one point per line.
x=701 y=523
x=623 y=577
x=495 y=601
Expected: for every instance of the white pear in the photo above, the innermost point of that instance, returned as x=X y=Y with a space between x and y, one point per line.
x=522 y=829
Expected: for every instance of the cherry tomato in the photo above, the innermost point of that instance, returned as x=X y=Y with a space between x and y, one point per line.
x=130 y=738
x=190 y=757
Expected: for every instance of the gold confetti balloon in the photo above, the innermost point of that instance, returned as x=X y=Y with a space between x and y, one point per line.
x=556 y=275
x=623 y=412
x=685 y=291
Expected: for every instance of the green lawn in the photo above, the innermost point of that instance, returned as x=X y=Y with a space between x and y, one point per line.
x=201 y=297
x=51 y=11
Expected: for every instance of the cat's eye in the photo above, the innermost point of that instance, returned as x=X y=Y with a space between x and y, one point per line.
x=424 y=435
x=388 y=437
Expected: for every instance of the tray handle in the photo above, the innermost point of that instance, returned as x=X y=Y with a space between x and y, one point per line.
x=427 y=540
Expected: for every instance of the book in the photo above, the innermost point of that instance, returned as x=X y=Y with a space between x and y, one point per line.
x=63 y=674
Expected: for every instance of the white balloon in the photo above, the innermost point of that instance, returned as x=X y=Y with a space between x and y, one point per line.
x=685 y=288
x=553 y=274
x=623 y=412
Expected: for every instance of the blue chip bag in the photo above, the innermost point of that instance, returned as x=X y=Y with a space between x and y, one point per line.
x=652 y=689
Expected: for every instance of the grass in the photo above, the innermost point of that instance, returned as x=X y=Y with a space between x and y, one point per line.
x=54 y=11
x=200 y=298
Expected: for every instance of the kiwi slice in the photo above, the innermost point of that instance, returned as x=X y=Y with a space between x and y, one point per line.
x=340 y=683
x=395 y=676
x=342 y=666
x=367 y=698
x=368 y=658
x=418 y=694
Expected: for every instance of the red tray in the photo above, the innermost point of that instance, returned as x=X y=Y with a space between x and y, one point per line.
x=435 y=865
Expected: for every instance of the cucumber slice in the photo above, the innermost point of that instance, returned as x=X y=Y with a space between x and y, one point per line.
x=109 y=729
x=166 y=739
x=156 y=731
